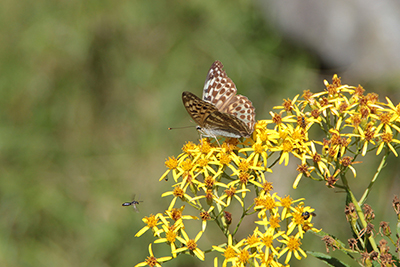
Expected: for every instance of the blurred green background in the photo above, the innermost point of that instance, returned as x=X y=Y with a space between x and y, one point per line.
x=87 y=92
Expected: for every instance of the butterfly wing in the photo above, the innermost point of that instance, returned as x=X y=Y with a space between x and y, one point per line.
x=211 y=121
x=218 y=87
x=242 y=108
x=198 y=109
x=220 y=90
x=224 y=124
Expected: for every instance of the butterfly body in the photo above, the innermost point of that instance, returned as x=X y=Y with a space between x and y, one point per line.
x=221 y=112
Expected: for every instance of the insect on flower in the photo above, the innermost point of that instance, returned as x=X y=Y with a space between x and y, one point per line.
x=133 y=203
x=307 y=215
x=220 y=112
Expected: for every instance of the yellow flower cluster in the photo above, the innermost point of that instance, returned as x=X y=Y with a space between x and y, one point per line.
x=352 y=122
x=210 y=177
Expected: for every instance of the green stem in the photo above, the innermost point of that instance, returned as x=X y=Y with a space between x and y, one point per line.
x=220 y=209
x=368 y=190
x=239 y=223
x=241 y=219
x=362 y=219
x=270 y=166
x=359 y=213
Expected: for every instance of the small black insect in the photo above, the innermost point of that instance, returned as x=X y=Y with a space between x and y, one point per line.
x=307 y=214
x=133 y=203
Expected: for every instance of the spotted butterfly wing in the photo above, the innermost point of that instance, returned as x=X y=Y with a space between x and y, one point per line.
x=221 y=112
x=220 y=90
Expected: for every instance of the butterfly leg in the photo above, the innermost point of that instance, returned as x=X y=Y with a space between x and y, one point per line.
x=216 y=139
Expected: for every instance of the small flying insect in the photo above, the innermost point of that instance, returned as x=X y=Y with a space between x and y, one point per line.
x=307 y=214
x=133 y=203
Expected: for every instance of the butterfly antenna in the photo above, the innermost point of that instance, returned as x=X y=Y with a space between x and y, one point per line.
x=180 y=127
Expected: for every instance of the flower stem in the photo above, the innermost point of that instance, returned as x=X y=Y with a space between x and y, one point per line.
x=359 y=213
x=368 y=190
x=363 y=222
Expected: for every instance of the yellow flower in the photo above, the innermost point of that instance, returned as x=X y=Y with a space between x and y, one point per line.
x=291 y=142
x=387 y=139
x=288 y=105
x=394 y=111
x=388 y=120
x=170 y=237
x=178 y=192
x=298 y=219
x=273 y=223
x=302 y=169
x=352 y=124
x=177 y=216
x=267 y=240
x=366 y=136
x=243 y=258
x=230 y=252
x=317 y=158
x=265 y=202
x=231 y=191
x=259 y=151
x=190 y=245
x=266 y=136
x=279 y=121
x=189 y=148
x=205 y=216
x=286 y=147
x=204 y=162
x=287 y=203
x=171 y=164
x=152 y=221
x=331 y=179
x=210 y=196
x=293 y=244
x=153 y=261
x=253 y=240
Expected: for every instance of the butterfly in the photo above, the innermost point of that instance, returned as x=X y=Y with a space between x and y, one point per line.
x=221 y=112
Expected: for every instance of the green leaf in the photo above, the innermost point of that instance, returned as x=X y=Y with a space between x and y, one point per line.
x=329 y=260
